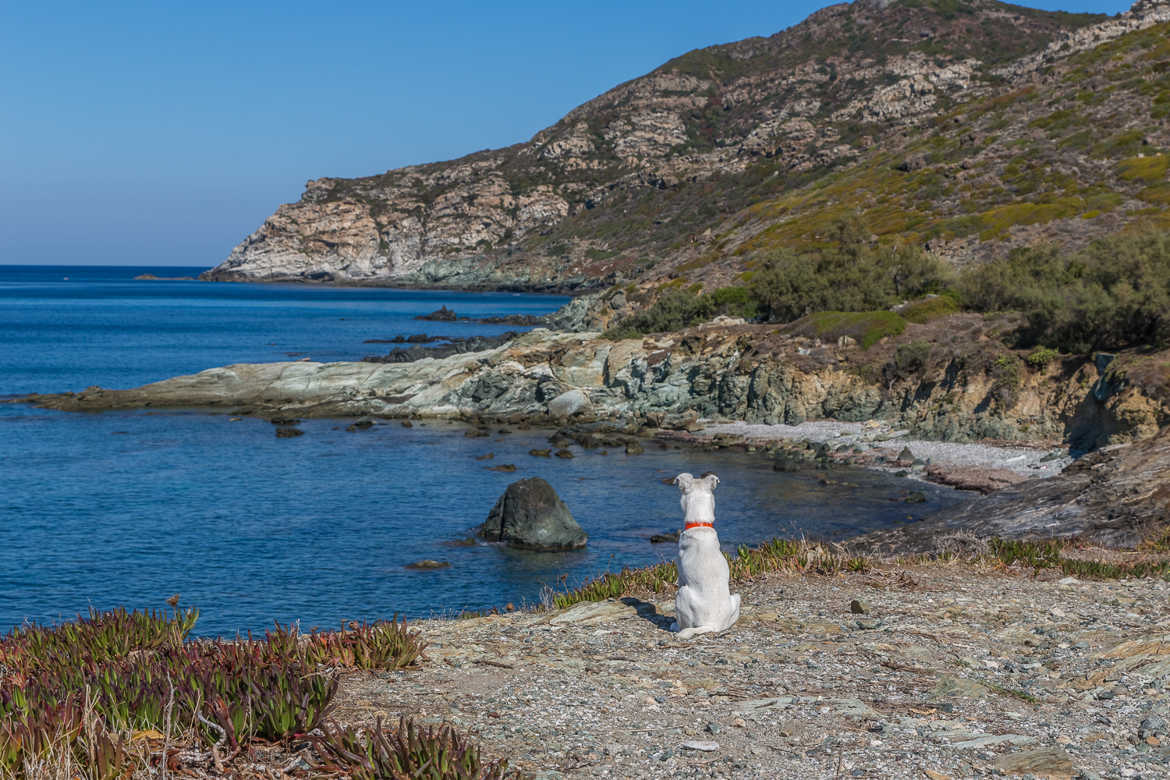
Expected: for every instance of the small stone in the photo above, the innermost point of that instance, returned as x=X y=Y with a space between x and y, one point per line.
x=739 y=723
x=407 y=424
x=289 y=433
x=427 y=563
x=563 y=453
x=539 y=453
x=713 y=728
x=700 y=745
x=665 y=536
x=489 y=456
x=858 y=607
x=506 y=467
x=634 y=448
x=1152 y=725
x=915 y=497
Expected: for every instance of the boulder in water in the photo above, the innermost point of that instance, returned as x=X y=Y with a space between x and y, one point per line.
x=531 y=516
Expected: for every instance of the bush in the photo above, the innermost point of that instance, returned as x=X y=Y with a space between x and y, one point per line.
x=850 y=275
x=865 y=327
x=1040 y=357
x=677 y=309
x=1113 y=294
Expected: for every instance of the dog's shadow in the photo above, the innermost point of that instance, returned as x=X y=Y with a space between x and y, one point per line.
x=648 y=611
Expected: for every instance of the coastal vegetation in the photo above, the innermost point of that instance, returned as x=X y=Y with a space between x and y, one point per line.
x=118 y=691
x=1112 y=294
x=803 y=557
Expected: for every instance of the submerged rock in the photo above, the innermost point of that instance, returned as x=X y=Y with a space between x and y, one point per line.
x=531 y=516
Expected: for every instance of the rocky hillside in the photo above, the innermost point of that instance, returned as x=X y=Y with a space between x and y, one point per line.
x=968 y=125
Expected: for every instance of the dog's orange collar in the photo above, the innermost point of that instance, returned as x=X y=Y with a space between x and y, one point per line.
x=698 y=525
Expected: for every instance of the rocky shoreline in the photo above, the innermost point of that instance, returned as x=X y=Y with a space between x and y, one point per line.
x=727 y=384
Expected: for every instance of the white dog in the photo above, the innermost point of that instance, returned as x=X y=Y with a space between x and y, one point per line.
x=704 y=603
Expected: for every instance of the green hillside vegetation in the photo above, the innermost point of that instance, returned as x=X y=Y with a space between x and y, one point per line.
x=1113 y=294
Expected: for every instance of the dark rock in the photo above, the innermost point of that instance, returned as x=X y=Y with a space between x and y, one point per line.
x=915 y=497
x=455 y=346
x=563 y=453
x=289 y=433
x=506 y=468
x=427 y=563
x=443 y=314
x=407 y=424
x=284 y=421
x=531 y=516
x=360 y=425
x=667 y=536
x=858 y=607
x=488 y=456
x=539 y=453
x=1153 y=725
x=477 y=433
x=634 y=448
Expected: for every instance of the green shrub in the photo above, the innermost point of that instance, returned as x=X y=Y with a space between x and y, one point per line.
x=1041 y=356
x=909 y=360
x=675 y=309
x=928 y=309
x=1113 y=294
x=865 y=327
x=849 y=275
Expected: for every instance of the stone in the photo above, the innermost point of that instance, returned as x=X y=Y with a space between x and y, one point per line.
x=634 y=448
x=564 y=454
x=568 y=404
x=700 y=745
x=1050 y=762
x=666 y=536
x=539 y=453
x=530 y=515
x=289 y=433
x=427 y=563
x=506 y=468
x=858 y=607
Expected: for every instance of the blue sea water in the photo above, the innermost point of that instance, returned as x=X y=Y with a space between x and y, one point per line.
x=128 y=508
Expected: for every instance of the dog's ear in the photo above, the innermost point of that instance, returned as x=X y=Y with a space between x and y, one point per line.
x=711 y=480
x=684 y=481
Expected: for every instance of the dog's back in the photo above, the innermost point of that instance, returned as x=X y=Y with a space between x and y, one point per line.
x=704 y=602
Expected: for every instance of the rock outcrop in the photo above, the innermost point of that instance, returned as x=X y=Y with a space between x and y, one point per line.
x=1118 y=497
x=682 y=168
x=531 y=516
x=740 y=372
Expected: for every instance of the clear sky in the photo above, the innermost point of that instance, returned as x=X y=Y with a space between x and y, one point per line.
x=163 y=132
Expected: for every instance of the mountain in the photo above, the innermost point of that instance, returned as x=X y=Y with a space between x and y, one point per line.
x=967 y=126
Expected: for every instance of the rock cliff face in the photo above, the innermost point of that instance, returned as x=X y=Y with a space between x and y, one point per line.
x=660 y=172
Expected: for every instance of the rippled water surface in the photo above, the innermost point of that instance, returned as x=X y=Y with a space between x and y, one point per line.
x=127 y=508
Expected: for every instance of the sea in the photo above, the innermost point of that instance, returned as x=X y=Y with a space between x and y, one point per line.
x=129 y=508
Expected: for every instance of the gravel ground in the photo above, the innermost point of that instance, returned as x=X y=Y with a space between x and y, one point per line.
x=948 y=672
x=1028 y=461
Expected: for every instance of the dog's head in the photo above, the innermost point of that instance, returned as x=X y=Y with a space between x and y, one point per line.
x=698 y=496
x=686 y=483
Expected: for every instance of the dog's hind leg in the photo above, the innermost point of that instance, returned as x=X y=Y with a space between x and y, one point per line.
x=687 y=633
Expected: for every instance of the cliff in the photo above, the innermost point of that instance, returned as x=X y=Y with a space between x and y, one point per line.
x=971 y=126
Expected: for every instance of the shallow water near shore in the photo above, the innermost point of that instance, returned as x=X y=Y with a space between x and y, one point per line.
x=128 y=508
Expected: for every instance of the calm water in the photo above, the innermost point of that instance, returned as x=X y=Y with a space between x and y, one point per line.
x=127 y=508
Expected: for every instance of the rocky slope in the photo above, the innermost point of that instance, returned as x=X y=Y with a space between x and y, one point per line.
x=926 y=116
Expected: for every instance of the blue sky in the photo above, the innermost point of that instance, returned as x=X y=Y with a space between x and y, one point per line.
x=163 y=133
